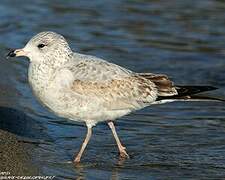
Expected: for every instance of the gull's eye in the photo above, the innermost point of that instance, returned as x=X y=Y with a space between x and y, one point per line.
x=41 y=46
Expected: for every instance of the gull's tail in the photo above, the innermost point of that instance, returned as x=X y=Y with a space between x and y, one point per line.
x=168 y=92
x=189 y=93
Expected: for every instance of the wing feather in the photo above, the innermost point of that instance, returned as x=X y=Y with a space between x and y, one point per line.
x=164 y=85
x=116 y=87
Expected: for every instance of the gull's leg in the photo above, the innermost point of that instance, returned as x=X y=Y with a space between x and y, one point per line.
x=88 y=136
x=122 y=149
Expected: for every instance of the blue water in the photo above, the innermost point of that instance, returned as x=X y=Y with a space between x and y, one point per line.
x=183 y=39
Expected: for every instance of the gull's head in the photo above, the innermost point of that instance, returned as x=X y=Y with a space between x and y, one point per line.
x=43 y=47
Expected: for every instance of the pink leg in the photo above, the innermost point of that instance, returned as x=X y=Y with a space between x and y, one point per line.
x=88 y=136
x=122 y=149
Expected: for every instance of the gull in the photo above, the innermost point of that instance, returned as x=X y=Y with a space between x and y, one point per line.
x=88 y=89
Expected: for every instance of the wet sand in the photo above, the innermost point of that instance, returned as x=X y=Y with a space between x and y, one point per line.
x=15 y=155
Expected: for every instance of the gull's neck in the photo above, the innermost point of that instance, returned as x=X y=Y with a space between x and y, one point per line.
x=40 y=74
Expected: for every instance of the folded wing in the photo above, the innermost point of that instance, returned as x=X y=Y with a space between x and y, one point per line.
x=114 y=86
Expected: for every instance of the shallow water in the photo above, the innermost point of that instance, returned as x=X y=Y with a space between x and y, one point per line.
x=184 y=39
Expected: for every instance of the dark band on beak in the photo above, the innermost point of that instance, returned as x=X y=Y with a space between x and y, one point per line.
x=11 y=53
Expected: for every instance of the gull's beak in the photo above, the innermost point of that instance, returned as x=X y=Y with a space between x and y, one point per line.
x=16 y=53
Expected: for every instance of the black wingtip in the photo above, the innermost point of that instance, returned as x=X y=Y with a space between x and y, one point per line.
x=190 y=90
x=208 y=88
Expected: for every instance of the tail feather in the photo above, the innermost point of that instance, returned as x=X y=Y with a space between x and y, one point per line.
x=189 y=92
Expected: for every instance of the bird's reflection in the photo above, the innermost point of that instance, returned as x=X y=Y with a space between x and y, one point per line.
x=121 y=161
x=81 y=169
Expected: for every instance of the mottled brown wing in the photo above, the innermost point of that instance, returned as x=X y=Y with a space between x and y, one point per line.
x=164 y=85
x=129 y=91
